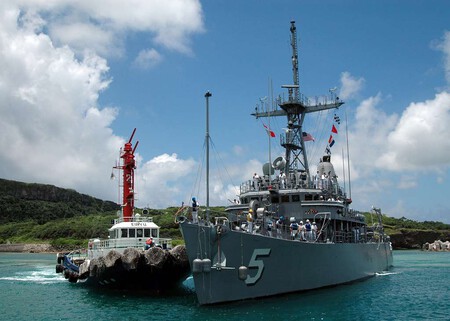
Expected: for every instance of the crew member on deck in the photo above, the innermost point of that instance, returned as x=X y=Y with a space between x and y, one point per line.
x=279 y=226
x=149 y=243
x=283 y=179
x=256 y=182
x=314 y=231
x=294 y=228
x=195 y=207
x=301 y=231
x=250 y=221
x=308 y=231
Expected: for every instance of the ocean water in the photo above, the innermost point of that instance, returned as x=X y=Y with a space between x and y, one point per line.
x=416 y=288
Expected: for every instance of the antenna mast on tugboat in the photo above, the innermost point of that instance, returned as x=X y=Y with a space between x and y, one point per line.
x=207 y=95
x=295 y=108
x=128 y=166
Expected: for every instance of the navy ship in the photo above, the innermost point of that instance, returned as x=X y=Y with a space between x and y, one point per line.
x=288 y=232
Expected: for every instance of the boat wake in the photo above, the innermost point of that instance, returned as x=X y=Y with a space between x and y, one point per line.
x=384 y=273
x=42 y=276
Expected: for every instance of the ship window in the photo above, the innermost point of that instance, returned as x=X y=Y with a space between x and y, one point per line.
x=112 y=234
x=139 y=232
x=124 y=232
x=295 y=198
x=154 y=233
x=308 y=197
x=275 y=199
x=147 y=232
x=132 y=232
x=284 y=198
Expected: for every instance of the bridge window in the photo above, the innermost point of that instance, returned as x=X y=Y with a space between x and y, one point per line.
x=284 y=198
x=308 y=197
x=124 y=232
x=295 y=198
x=147 y=232
x=132 y=232
x=139 y=232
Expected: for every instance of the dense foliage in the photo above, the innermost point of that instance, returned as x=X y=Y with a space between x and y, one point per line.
x=43 y=203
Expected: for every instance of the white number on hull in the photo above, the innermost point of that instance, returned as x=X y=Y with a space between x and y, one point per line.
x=259 y=264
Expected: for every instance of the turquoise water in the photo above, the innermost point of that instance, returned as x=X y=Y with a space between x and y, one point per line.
x=417 y=288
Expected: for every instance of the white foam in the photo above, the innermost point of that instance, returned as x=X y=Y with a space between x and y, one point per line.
x=385 y=273
x=41 y=275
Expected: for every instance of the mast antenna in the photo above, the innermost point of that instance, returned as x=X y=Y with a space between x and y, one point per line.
x=295 y=109
x=207 y=95
x=295 y=59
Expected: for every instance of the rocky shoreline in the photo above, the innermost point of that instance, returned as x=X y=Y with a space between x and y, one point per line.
x=28 y=248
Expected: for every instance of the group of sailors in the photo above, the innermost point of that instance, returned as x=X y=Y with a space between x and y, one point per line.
x=306 y=232
x=298 y=231
x=324 y=181
x=257 y=183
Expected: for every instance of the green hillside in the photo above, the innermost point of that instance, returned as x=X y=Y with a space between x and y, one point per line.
x=36 y=213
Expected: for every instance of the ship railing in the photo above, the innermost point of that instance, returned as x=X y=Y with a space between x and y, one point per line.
x=105 y=245
x=133 y=219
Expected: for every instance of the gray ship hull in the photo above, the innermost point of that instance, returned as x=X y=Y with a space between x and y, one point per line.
x=274 y=266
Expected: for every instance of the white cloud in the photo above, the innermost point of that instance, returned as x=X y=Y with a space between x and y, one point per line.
x=351 y=86
x=52 y=128
x=444 y=46
x=51 y=125
x=367 y=135
x=162 y=180
x=407 y=182
x=419 y=140
x=415 y=141
x=148 y=58
x=102 y=25
x=81 y=35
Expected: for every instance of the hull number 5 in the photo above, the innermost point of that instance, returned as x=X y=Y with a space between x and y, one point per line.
x=255 y=263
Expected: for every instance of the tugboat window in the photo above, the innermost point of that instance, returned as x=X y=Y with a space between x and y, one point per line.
x=154 y=233
x=285 y=198
x=295 y=198
x=275 y=199
x=132 y=233
x=147 y=232
x=308 y=197
x=139 y=232
x=124 y=232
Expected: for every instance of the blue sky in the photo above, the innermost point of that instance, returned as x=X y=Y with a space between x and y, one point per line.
x=77 y=76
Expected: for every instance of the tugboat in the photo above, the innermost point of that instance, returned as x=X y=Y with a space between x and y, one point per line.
x=291 y=233
x=134 y=255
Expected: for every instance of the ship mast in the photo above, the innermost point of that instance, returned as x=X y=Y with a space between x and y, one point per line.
x=294 y=109
x=207 y=138
x=128 y=166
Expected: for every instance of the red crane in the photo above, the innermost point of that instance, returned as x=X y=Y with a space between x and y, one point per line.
x=128 y=166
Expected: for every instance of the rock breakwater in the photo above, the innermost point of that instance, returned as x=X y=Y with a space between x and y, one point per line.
x=436 y=246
